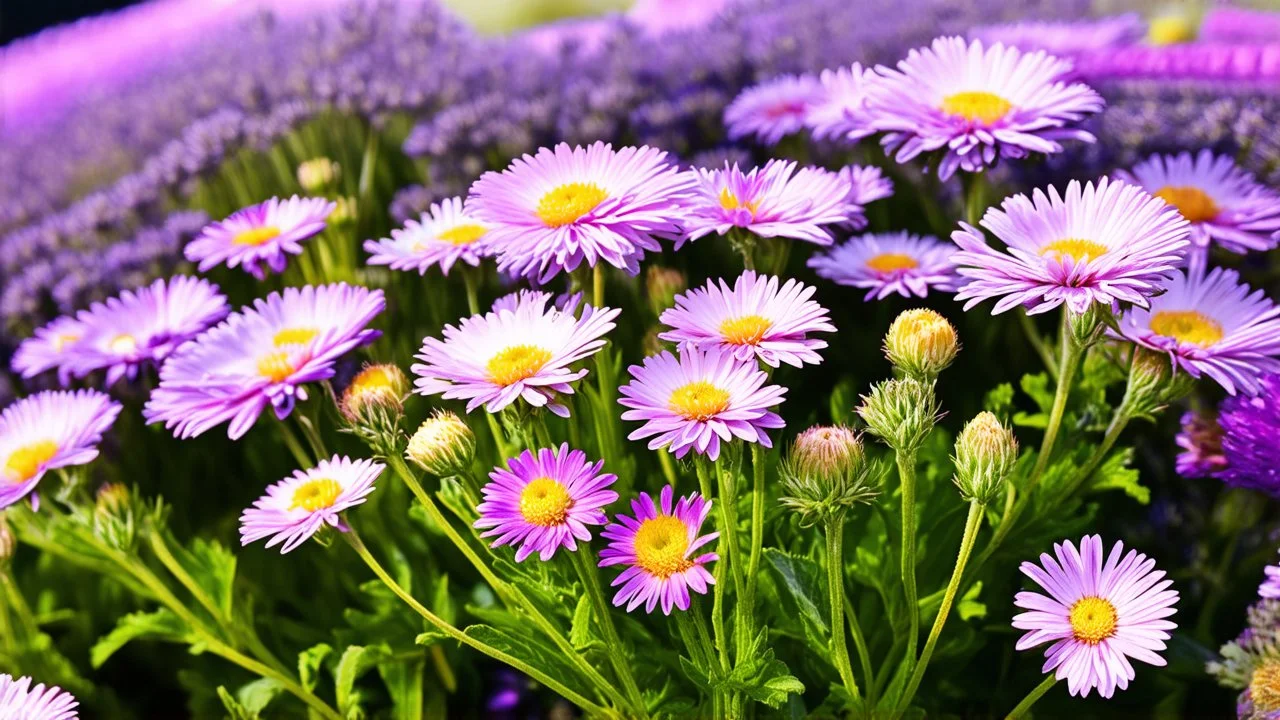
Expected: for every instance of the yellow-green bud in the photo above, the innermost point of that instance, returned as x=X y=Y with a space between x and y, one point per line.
x=8 y=543
x=1153 y=384
x=345 y=212
x=112 y=498
x=921 y=343
x=901 y=412
x=825 y=473
x=986 y=452
x=317 y=174
x=661 y=285
x=443 y=445
x=376 y=389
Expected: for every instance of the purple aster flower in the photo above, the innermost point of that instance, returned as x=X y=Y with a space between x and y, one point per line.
x=526 y=352
x=1270 y=587
x=867 y=184
x=756 y=318
x=262 y=355
x=977 y=104
x=1242 y=65
x=1065 y=38
x=1201 y=443
x=773 y=109
x=548 y=213
x=265 y=233
x=300 y=505
x=887 y=263
x=443 y=237
x=1250 y=426
x=1106 y=243
x=840 y=111
x=1097 y=614
x=20 y=701
x=51 y=429
x=545 y=501
x=662 y=549
x=52 y=346
x=699 y=399
x=1224 y=23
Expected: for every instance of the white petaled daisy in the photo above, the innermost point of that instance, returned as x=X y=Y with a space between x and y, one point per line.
x=49 y=430
x=266 y=233
x=887 y=263
x=298 y=506
x=444 y=236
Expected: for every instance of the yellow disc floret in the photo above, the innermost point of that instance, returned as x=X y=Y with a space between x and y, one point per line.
x=516 y=363
x=661 y=545
x=1093 y=619
x=566 y=204
x=316 y=494
x=1194 y=203
x=255 y=236
x=1187 y=326
x=745 y=330
x=25 y=462
x=698 y=400
x=1075 y=248
x=545 y=502
x=981 y=106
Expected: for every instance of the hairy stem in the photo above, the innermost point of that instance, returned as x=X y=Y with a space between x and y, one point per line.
x=835 y=594
x=907 y=473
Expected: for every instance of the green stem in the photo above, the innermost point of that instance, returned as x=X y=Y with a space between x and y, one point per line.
x=584 y=561
x=293 y=688
x=975 y=196
x=907 y=473
x=708 y=649
x=294 y=445
x=1032 y=697
x=368 y=164
x=469 y=279
x=1119 y=421
x=597 y=285
x=1037 y=342
x=499 y=441
x=668 y=467
x=717 y=592
x=835 y=594
x=860 y=643
x=312 y=434
x=748 y=602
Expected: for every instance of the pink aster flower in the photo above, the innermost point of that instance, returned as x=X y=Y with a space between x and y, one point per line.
x=757 y=318
x=887 y=263
x=1270 y=587
x=264 y=233
x=52 y=346
x=262 y=356
x=771 y=201
x=545 y=501
x=1065 y=38
x=1097 y=614
x=774 y=108
x=661 y=548
x=1201 y=445
x=526 y=352
x=696 y=401
x=300 y=505
x=977 y=104
x=840 y=112
x=20 y=701
x=867 y=184
x=548 y=213
x=51 y=429
x=1106 y=243
x=443 y=237
x=1211 y=325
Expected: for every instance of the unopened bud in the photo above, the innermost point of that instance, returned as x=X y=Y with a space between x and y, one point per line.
x=112 y=498
x=317 y=174
x=986 y=452
x=661 y=287
x=113 y=517
x=827 y=451
x=901 y=412
x=1153 y=384
x=8 y=543
x=376 y=389
x=443 y=445
x=826 y=473
x=921 y=343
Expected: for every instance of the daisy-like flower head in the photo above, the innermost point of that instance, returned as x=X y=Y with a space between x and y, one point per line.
x=756 y=318
x=662 y=549
x=771 y=201
x=1211 y=325
x=443 y=237
x=887 y=263
x=48 y=430
x=548 y=213
x=839 y=113
x=52 y=346
x=1097 y=614
x=262 y=356
x=1106 y=243
x=526 y=352
x=867 y=184
x=977 y=104
x=700 y=399
x=19 y=700
x=545 y=501
x=1270 y=587
x=266 y=233
x=300 y=505
x=773 y=109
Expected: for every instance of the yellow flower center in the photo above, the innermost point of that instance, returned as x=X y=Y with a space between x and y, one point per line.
x=375 y=378
x=64 y=339
x=25 y=462
x=545 y=502
x=1093 y=619
x=698 y=400
x=892 y=262
x=1187 y=326
x=1170 y=30
x=123 y=344
x=567 y=203
x=255 y=236
x=516 y=363
x=661 y=545
x=275 y=366
x=982 y=106
x=745 y=330
x=1075 y=248
x=729 y=201
x=465 y=234
x=1194 y=203
x=295 y=336
x=1264 y=686
x=316 y=494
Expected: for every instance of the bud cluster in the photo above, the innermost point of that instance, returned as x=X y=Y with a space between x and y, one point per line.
x=901 y=412
x=443 y=445
x=826 y=473
x=921 y=343
x=986 y=452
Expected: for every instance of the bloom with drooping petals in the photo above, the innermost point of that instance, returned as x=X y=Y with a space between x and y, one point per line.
x=526 y=352
x=300 y=505
x=262 y=355
x=1097 y=244
x=773 y=109
x=1250 y=426
x=1065 y=38
x=48 y=430
x=1201 y=443
x=548 y=213
x=756 y=318
x=887 y=263
x=545 y=501
x=867 y=183
x=20 y=701
x=977 y=104
x=661 y=547
x=699 y=399
x=1099 y=613
x=266 y=233
x=839 y=113
x=52 y=346
x=445 y=235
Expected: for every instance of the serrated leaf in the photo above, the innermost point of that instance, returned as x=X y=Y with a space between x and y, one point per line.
x=356 y=661
x=235 y=710
x=580 y=629
x=532 y=650
x=158 y=625
x=969 y=606
x=999 y=399
x=309 y=661
x=762 y=676
x=404 y=684
x=255 y=696
x=804 y=583
x=695 y=674
x=841 y=401
x=1114 y=474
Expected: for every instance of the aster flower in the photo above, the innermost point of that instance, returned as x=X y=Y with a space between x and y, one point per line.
x=771 y=201
x=1250 y=426
x=49 y=430
x=1201 y=443
x=445 y=235
x=1106 y=243
x=660 y=547
x=262 y=356
x=1097 y=614
x=20 y=701
x=526 y=352
x=264 y=233
x=773 y=109
x=1065 y=38
x=1211 y=325
x=887 y=263
x=300 y=505
x=867 y=184
x=52 y=346
x=756 y=318
x=1251 y=663
x=548 y=213
x=1270 y=587
x=545 y=501
x=977 y=104
x=699 y=399
x=839 y=113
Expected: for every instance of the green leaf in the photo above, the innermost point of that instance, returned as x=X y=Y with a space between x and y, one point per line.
x=762 y=676
x=529 y=648
x=255 y=696
x=969 y=607
x=430 y=637
x=356 y=661
x=404 y=683
x=1114 y=474
x=309 y=664
x=442 y=603
x=805 y=584
x=999 y=399
x=157 y=625
x=235 y=710
x=843 y=398
x=580 y=629
x=213 y=567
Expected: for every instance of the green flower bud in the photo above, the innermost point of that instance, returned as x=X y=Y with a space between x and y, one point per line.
x=8 y=543
x=661 y=287
x=1153 y=384
x=346 y=212
x=443 y=445
x=921 y=343
x=317 y=174
x=826 y=473
x=114 y=520
x=986 y=452
x=376 y=389
x=900 y=412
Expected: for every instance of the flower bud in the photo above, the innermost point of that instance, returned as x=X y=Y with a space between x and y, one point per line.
x=345 y=212
x=317 y=174
x=901 y=412
x=8 y=543
x=112 y=498
x=826 y=473
x=377 y=388
x=661 y=287
x=1153 y=384
x=114 y=521
x=921 y=343
x=443 y=445
x=986 y=452
x=827 y=451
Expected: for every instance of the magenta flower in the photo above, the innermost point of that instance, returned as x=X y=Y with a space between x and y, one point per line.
x=774 y=108
x=49 y=430
x=266 y=233
x=1097 y=614
x=20 y=701
x=661 y=548
x=545 y=501
x=888 y=263
x=867 y=184
x=840 y=112
x=1270 y=587
x=52 y=346
x=443 y=237
x=698 y=400
x=1065 y=38
x=300 y=505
